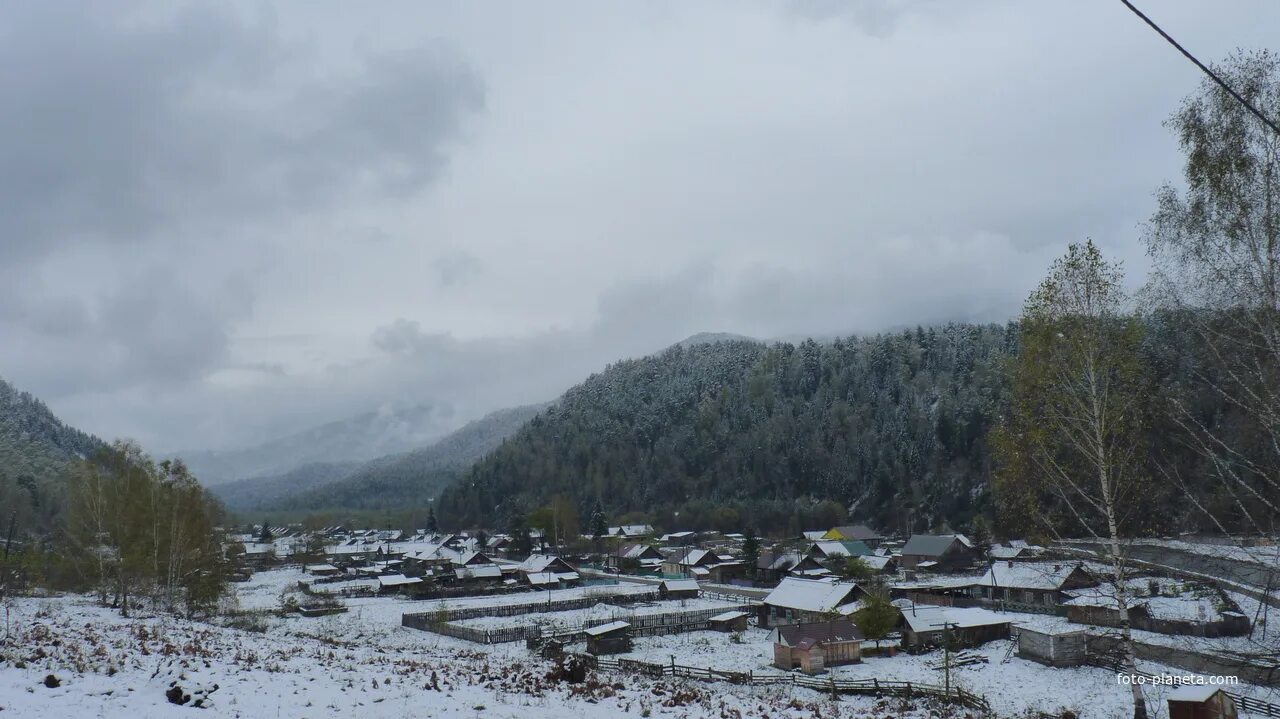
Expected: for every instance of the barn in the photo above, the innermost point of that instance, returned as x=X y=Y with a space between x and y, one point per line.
x=1055 y=648
x=925 y=626
x=611 y=638
x=731 y=621
x=679 y=589
x=813 y=647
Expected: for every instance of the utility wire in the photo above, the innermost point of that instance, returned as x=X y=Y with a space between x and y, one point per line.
x=1275 y=128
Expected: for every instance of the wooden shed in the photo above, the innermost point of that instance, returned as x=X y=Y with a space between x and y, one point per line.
x=679 y=589
x=813 y=647
x=1053 y=648
x=611 y=638
x=1201 y=702
x=731 y=621
x=926 y=626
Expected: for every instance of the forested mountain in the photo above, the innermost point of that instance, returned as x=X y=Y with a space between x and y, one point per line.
x=35 y=449
x=255 y=492
x=405 y=480
x=742 y=434
x=389 y=430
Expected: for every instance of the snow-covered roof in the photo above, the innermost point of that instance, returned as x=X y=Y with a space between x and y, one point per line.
x=814 y=535
x=478 y=571
x=999 y=551
x=728 y=616
x=696 y=556
x=810 y=595
x=537 y=563
x=396 y=580
x=930 y=618
x=1193 y=693
x=1028 y=575
x=633 y=551
x=876 y=562
x=631 y=530
x=539 y=579
x=606 y=628
x=842 y=548
x=680 y=585
x=319 y=568
x=786 y=561
x=675 y=535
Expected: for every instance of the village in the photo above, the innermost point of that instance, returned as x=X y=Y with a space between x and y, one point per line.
x=841 y=611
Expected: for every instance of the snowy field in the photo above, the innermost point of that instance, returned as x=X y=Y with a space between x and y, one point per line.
x=1012 y=686
x=357 y=664
x=600 y=613
x=363 y=663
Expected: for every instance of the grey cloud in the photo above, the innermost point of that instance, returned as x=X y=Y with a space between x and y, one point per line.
x=878 y=18
x=596 y=189
x=456 y=267
x=122 y=128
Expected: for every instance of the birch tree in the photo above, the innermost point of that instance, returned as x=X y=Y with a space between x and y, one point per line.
x=1070 y=449
x=1215 y=246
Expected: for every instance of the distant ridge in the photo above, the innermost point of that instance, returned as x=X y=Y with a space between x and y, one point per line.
x=388 y=430
x=408 y=479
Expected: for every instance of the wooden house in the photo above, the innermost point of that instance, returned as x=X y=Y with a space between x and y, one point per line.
x=857 y=532
x=545 y=563
x=1201 y=702
x=396 y=583
x=731 y=621
x=631 y=558
x=925 y=626
x=772 y=568
x=630 y=531
x=611 y=638
x=813 y=647
x=829 y=550
x=937 y=552
x=679 y=589
x=800 y=601
x=1041 y=583
x=881 y=563
x=705 y=565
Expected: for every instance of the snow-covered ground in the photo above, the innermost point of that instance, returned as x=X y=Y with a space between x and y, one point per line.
x=1269 y=555
x=1174 y=599
x=1012 y=686
x=363 y=663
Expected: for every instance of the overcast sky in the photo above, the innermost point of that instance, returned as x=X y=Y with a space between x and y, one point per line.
x=221 y=224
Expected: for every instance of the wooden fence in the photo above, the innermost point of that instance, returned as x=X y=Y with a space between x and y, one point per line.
x=453 y=614
x=864 y=687
x=1243 y=703
x=646 y=625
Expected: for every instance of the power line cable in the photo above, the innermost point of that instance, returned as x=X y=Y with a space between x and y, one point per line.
x=1275 y=128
